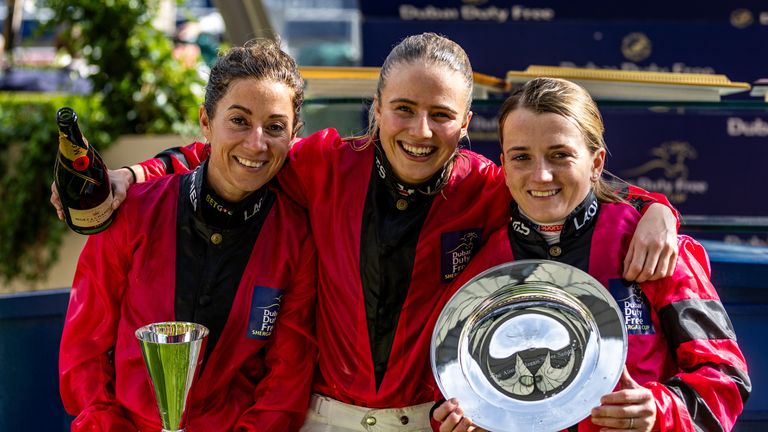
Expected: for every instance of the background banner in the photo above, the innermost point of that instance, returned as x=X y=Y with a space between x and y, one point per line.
x=708 y=159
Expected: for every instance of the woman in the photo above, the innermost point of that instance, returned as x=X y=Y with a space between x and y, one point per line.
x=176 y=251
x=396 y=215
x=678 y=376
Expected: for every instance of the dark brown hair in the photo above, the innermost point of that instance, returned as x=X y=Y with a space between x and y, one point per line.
x=261 y=59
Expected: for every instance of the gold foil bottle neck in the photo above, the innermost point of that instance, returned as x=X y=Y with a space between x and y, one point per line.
x=68 y=149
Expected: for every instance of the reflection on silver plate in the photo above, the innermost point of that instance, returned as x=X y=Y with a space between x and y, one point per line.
x=529 y=345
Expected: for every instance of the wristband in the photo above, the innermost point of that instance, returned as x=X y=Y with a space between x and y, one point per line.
x=133 y=173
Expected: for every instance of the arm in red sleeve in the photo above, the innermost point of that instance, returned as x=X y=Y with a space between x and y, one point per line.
x=712 y=384
x=310 y=163
x=282 y=396
x=172 y=160
x=86 y=366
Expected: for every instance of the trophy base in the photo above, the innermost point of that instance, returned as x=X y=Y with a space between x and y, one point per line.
x=174 y=430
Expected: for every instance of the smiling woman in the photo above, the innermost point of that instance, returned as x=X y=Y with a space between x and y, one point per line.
x=249 y=136
x=543 y=164
x=676 y=376
x=421 y=119
x=419 y=113
x=219 y=246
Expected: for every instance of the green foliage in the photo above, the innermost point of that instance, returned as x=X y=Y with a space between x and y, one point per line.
x=145 y=89
x=139 y=88
x=29 y=229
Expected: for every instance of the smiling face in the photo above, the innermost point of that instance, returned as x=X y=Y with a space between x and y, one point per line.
x=250 y=134
x=547 y=166
x=421 y=113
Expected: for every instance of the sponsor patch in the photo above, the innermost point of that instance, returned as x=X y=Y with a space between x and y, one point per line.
x=457 y=248
x=265 y=306
x=520 y=227
x=551 y=228
x=634 y=306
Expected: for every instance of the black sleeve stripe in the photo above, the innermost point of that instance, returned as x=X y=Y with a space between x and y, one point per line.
x=702 y=417
x=637 y=201
x=738 y=376
x=688 y=320
x=166 y=160
x=172 y=153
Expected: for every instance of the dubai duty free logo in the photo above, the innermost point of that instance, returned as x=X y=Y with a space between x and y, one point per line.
x=634 y=306
x=265 y=305
x=457 y=248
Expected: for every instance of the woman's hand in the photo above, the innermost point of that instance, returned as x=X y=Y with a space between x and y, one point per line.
x=652 y=252
x=56 y=201
x=631 y=408
x=120 y=179
x=452 y=419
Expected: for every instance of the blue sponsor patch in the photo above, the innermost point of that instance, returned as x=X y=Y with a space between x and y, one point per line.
x=265 y=306
x=457 y=248
x=634 y=306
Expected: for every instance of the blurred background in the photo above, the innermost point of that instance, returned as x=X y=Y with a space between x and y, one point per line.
x=134 y=71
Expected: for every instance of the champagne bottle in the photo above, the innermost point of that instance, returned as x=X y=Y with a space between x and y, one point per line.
x=81 y=178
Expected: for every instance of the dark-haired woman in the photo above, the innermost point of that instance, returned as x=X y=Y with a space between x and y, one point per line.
x=220 y=246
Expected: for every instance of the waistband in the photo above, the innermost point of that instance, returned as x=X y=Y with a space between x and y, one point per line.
x=328 y=411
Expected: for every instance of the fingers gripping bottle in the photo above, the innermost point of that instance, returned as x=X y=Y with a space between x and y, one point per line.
x=81 y=178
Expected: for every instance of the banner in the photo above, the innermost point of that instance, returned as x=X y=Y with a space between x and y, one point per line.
x=494 y=49
x=505 y=11
x=707 y=160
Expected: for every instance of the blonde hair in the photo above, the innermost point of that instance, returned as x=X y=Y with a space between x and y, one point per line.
x=428 y=49
x=564 y=98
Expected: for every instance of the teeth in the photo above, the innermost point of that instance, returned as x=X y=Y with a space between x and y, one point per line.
x=250 y=163
x=418 y=150
x=543 y=193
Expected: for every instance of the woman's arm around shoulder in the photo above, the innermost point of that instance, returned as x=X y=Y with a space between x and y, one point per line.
x=653 y=250
x=169 y=161
x=311 y=162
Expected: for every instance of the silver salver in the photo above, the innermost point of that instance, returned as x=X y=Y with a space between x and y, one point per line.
x=529 y=345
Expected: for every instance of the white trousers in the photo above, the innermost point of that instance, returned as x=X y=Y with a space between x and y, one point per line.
x=329 y=415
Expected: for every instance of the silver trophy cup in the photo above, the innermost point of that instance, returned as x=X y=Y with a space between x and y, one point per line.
x=172 y=355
